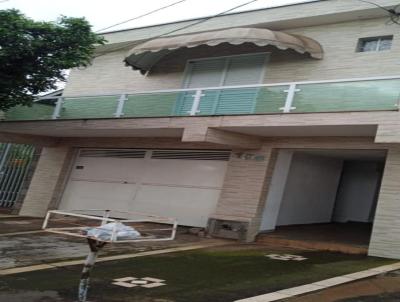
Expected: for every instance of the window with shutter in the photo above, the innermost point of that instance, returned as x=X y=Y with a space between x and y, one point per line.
x=204 y=73
x=223 y=71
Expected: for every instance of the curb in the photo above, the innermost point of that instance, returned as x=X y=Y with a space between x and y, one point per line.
x=320 y=285
x=32 y=268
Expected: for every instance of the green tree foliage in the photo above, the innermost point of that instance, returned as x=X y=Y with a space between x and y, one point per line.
x=34 y=55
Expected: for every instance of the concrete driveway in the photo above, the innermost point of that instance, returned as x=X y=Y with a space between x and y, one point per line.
x=35 y=267
x=22 y=243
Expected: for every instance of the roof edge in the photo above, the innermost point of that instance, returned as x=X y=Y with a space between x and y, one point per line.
x=208 y=16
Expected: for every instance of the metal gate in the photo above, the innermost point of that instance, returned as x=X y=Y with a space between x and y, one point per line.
x=15 y=160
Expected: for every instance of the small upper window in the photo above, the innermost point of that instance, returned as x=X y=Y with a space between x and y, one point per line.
x=375 y=44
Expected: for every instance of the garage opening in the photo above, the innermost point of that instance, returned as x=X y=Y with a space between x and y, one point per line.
x=183 y=184
x=323 y=198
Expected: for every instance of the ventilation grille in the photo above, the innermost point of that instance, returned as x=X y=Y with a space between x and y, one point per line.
x=122 y=153
x=158 y=154
x=193 y=155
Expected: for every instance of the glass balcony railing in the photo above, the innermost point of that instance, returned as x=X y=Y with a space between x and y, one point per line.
x=348 y=96
x=152 y=104
x=305 y=97
x=88 y=107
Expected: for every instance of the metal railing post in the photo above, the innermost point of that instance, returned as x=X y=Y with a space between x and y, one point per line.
x=4 y=156
x=57 y=109
x=196 y=102
x=289 y=98
x=120 y=107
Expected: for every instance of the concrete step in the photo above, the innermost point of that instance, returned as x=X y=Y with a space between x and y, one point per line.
x=312 y=245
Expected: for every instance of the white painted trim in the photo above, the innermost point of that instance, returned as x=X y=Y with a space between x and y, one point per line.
x=241 y=86
x=227 y=56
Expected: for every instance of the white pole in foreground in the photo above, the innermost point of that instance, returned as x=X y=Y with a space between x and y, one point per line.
x=95 y=246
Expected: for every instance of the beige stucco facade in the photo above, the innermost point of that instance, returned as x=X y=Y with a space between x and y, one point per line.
x=385 y=235
x=44 y=183
x=108 y=75
x=336 y=24
x=246 y=181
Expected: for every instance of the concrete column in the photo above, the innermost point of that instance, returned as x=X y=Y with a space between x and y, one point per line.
x=276 y=191
x=27 y=181
x=385 y=239
x=245 y=187
x=49 y=170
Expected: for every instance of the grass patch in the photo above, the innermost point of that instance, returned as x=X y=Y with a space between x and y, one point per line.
x=198 y=276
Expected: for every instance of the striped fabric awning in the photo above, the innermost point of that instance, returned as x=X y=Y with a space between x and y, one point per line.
x=146 y=54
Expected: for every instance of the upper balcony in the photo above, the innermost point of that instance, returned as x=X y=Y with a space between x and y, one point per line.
x=226 y=85
x=232 y=81
x=353 y=95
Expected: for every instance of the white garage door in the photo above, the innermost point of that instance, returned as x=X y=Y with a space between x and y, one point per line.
x=180 y=184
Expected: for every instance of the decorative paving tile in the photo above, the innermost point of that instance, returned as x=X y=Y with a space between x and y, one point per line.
x=286 y=257
x=126 y=279
x=146 y=282
x=124 y=284
x=153 y=280
x=151 y=285
x=139 y=282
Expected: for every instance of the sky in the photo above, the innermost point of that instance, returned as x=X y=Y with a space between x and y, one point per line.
x=103 y=13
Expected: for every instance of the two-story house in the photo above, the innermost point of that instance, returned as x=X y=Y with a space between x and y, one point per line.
x=243 y=123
